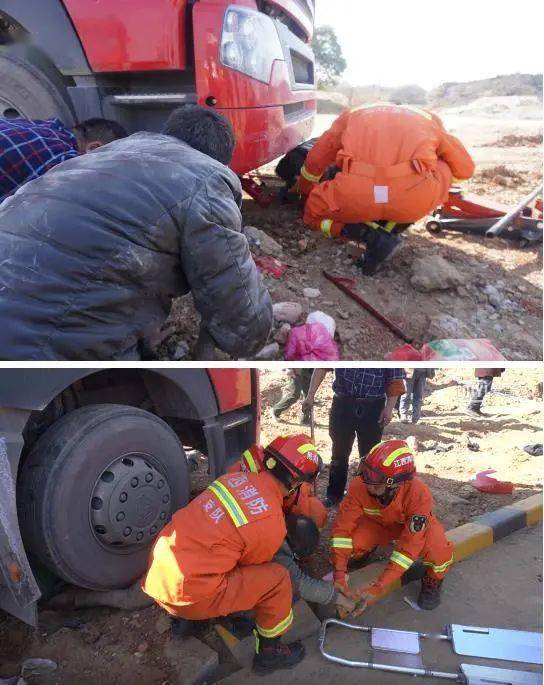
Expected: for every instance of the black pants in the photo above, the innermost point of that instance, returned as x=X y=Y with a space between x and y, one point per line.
x=297 y=387
x=350 y=417
x=480 y=391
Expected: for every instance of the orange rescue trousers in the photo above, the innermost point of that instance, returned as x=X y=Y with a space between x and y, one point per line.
x=264 y=587
x=436 y=554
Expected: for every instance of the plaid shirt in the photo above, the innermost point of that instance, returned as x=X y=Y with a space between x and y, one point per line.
x=365 y=382
x=29 y=148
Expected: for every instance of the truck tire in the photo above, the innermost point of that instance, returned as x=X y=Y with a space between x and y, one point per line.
x=26 y=91
x=95 y=490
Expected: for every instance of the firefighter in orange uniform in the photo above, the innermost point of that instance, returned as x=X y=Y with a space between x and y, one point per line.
x=396 y=164
x=214 y=557
x=386 y=502
x=303 y=502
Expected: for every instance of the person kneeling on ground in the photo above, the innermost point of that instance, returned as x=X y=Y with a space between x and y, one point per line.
x=303 y=502
x=386 y=502
x=395 y=165
x=215 y=556
x=94 y=251
x=29 y=148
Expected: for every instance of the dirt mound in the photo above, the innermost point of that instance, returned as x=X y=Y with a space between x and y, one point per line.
x=514 y=140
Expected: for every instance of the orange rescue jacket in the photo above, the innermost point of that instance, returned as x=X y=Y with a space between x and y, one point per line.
x=384 y=152
x=237 y=520
x=413 y=499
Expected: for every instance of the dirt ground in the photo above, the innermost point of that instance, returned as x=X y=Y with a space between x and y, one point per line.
x=110 y=647
x=504 y=136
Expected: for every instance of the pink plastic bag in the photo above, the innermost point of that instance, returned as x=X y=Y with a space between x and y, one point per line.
x=484 y=483
x=311 y=342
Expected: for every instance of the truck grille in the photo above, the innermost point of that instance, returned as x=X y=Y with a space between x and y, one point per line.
x=307 y=6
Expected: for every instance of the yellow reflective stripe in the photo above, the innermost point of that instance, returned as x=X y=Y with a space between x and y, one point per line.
x=396 y=453
x=401 y=559
x=422 y=112
x=250 y=462
x=373 y=225
x=441 y=568
x=308 y=176
x=232 y=507
x=377 y=447
x=326 y=226
x=308 y=447
x=389 y=226
x=277 y=630
x=342 y=543
x=372 y=512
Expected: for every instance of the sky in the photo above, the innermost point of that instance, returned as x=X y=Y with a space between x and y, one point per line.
x=396 y=42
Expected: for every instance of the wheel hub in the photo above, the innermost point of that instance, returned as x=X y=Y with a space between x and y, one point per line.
x=130 y=502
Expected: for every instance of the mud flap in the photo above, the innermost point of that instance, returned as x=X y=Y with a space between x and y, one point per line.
x=19 y=591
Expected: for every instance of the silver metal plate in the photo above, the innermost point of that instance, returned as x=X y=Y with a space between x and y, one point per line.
x=404 y=641
x=483 y=675
x=496 y=643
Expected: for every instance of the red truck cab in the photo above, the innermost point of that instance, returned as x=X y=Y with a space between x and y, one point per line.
x=135 y=60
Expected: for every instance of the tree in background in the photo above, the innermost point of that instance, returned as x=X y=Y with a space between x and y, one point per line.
x=328 y=54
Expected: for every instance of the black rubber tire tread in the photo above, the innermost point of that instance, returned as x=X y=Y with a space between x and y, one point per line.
x=51 y=467
x=31 y=90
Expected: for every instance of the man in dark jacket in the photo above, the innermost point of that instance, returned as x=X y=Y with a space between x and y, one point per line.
x=93 y=252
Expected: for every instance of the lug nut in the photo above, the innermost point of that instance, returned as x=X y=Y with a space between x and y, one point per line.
x=162 y=516
x=153 y=530
x=139 y=536
x=134 y=482
x=123 y=497
x=166 y=499
x=120 y=516
x=96 y=503
x=160 y=484
x=148 y=477
x=127 y=531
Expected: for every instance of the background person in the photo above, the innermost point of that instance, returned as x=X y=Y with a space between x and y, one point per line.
x=483 y=386
x=94 y=251
x=297 y=388
x=415 y=392
x=29 y=148
x=363 y=404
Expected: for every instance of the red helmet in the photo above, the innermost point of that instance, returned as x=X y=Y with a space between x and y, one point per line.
x=297 y=453
x=390 y=462
x=252 y=459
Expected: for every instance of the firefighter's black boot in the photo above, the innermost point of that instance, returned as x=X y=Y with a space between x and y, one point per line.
x=381 y=246
x=273 y=655
x=429 y=597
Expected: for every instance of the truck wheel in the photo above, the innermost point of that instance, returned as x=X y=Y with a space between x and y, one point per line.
x=95 y=490
x=25 y=91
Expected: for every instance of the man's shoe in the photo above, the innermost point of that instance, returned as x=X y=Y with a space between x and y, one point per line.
x=415 y=418
x=381 y=247
x=429 y=597
x=473 y=411
x=275 y=417
x=274 y=655
x=404 y=418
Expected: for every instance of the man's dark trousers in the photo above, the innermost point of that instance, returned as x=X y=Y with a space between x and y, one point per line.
x=351 y=417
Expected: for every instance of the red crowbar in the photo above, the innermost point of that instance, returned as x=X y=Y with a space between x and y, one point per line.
x=346 y=286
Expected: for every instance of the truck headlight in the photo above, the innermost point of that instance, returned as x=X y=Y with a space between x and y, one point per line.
x=250 y=43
